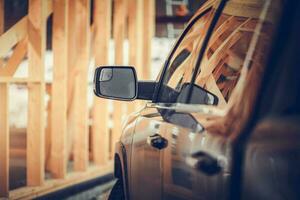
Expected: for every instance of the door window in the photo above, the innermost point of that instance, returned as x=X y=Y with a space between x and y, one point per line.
x=238 y=45
x=181 y=65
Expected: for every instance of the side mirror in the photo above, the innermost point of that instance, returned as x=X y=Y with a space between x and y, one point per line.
x=116 y=82
x=198 y=95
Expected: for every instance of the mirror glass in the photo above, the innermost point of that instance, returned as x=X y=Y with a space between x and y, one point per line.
x=116 y=82
x=198 y=95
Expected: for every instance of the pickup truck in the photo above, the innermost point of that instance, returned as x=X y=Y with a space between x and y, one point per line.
x=222 y=119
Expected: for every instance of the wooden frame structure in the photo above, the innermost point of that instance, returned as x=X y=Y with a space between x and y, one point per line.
x=59 y=132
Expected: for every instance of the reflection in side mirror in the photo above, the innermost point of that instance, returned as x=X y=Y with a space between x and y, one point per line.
x=198 y=95
x=115 y=82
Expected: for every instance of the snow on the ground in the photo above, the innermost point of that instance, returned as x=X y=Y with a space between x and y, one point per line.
x=18 y=95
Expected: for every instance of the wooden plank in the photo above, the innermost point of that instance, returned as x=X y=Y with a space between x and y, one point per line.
x=132 y=31
x=53 y=185
x=12 y=36
x=212 y=86
x=135 y=38
x=58 y=157
x=49 y=7
x=119 y=30
x=36 y=102
x=22 y=81
x=71 y=73
x=36 y=135
x=119 y=37
x=80 y=112
x=132 y=40
x=18 y=32
x=148 y=32
x=4 y=141
x=48 y=129
x=18 y=55
x=102 y=31
x=17 y=153
x=135 y=33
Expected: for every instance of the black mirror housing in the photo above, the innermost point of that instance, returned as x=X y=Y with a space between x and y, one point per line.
x=116 y=82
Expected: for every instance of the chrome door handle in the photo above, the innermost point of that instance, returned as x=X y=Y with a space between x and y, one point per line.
x=157 y=141
x=205 y=163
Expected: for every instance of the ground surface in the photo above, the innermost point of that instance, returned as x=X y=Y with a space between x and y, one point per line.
x=99 y=192
x=94 y=192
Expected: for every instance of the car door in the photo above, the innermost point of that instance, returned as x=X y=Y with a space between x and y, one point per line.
x=146 y=160
x=197 y=160
x=272 y=153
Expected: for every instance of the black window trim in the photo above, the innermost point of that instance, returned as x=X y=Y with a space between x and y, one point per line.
x=178 y=42
x=205 y=44
x=202 y=50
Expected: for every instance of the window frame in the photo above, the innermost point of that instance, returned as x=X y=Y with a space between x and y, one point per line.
x=219 y=8
x=174 y=48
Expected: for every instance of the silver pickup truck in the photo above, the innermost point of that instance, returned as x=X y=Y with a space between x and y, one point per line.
x=222 y=119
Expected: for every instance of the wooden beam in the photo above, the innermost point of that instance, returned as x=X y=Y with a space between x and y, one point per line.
x=18 y=55
x=80 y=85
x=119 y=37
x=102 y=33
x=148 y=33
x=4 y=141
x=18 y=32
x=119 y=30
x=58 y=156
x=36 y=111
x=135 y=38
x=17 y=153
x=72 y=46
x=13 y=80
x=49 y=7
x=48 y=129
x=12 y=36
x=135 y=33
x=132 y=40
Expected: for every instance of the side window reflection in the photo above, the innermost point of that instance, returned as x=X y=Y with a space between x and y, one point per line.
x=182 y=63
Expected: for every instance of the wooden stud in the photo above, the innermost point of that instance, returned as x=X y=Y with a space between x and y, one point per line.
x=119 y=36
x=22 y=81
x=135 y=33
x=72 y=20
x=48 y=129
x=18 y=32
x=18 y=55
x=12 y=36
x=4 y=141
x=135 y=38
x=59 y=90
x=132 y=39
x=100 y=130
x=80 y=104
x=119 y=30
x=148 y=32
x=36 y=111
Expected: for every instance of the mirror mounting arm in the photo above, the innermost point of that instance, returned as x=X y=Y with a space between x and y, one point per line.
x=146 y=90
